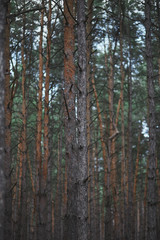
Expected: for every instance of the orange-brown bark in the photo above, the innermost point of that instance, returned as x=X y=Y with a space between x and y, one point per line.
x=19 y=158
x=70 y=194
x=30 y=171
x=46 y=106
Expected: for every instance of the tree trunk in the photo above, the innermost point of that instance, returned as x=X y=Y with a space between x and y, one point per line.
x=3 y=10
x=123 y=165
x=58 y=196
x=39 y=127
x=89 y=48
x=8 y=115
x=23 y=204
x=70 y=220
x=131 y=223
x=158 y=18
x=43 y=202
x=151 y=196
x=82 y=201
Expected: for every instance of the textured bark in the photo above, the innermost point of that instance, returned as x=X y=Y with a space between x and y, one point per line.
x=89 y=47
x=158 y=18
x=39 y=126
x=58 y=197
x=70 y=220
x=93 y=230
x=46 y=105
x=8 y=115
x=2 y=114
x=82 y=200
x=151 y=196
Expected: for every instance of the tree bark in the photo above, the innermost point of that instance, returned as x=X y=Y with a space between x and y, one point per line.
x=8 y=116
x=89 y=48
x=151 y=196
x=3 y=10
x=39 y=127
x=82 y=200
x=70 y=220
x=58 y=196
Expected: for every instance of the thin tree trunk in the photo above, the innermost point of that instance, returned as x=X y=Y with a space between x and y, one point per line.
x=39 y=129
x=135 y=227
x=3 y=10
x=112 y=134
x=82 y=201
x=97 y=195
x=131 y=223
x=158 y=18
x=136 y=169
x=44 y=177
x=23 y=214
x=106 y=187
x=58 y=198
x=123 y=167
x=151 y=196
x=89 y=47
x=101 y=131
x=8 y=116
x=145 y=202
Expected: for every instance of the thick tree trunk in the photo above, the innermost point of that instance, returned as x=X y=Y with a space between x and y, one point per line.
x=70 y=220
x=151 y=196
x=3 y=9
x=82 y=200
